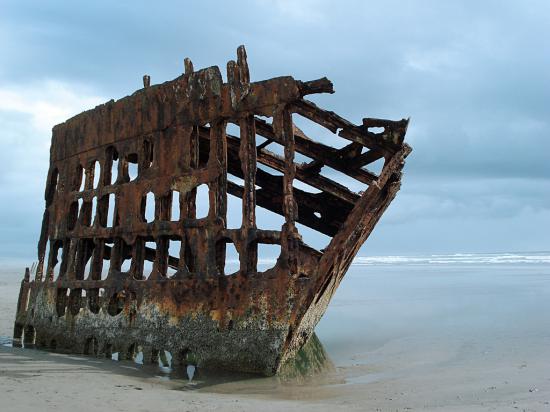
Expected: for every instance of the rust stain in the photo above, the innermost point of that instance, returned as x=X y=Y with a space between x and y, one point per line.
x=122 y=186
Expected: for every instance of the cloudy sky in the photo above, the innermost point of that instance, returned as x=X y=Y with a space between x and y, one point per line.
x=473 y=76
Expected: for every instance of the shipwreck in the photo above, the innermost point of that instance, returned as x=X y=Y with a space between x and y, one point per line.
x=122 y=189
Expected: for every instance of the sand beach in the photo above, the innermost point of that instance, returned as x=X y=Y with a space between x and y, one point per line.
x=448 y=333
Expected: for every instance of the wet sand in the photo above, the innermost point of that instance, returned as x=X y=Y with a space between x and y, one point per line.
x=398 y=337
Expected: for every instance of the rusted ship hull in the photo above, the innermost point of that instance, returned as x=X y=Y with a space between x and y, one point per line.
x=83 y=299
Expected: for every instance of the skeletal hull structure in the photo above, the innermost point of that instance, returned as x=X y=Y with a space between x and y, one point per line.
x=126 y=261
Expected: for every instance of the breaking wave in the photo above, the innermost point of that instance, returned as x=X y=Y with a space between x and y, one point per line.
x=457 y=258
x=449 y=259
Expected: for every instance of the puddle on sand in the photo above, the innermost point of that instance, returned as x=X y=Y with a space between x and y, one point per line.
x=6 y=341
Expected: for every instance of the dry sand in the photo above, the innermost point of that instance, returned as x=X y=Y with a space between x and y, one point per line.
x=451 y=370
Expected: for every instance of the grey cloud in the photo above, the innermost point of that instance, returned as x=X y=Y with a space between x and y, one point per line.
x=473 y=76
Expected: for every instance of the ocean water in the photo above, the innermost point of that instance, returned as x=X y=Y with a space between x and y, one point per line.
x=458 y=259
x=438 y=300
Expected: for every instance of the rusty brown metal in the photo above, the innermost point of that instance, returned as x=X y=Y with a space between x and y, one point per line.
x=86 y=297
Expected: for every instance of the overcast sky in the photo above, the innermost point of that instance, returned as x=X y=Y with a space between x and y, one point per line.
x=473 y=76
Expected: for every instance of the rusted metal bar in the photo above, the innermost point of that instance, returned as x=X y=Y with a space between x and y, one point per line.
x=322 y=85
x=218 y=191
x=282 y=121
x=247 y=156
x=323 y=154
x=303 y=173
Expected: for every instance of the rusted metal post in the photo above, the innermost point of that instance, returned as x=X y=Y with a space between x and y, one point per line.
x=289 y=237
x=247 y=154
x=218 y=193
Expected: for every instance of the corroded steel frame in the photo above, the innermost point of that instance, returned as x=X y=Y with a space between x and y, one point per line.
x=175 y=133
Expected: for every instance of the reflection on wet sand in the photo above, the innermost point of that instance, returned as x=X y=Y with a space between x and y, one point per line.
x=310 y=366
